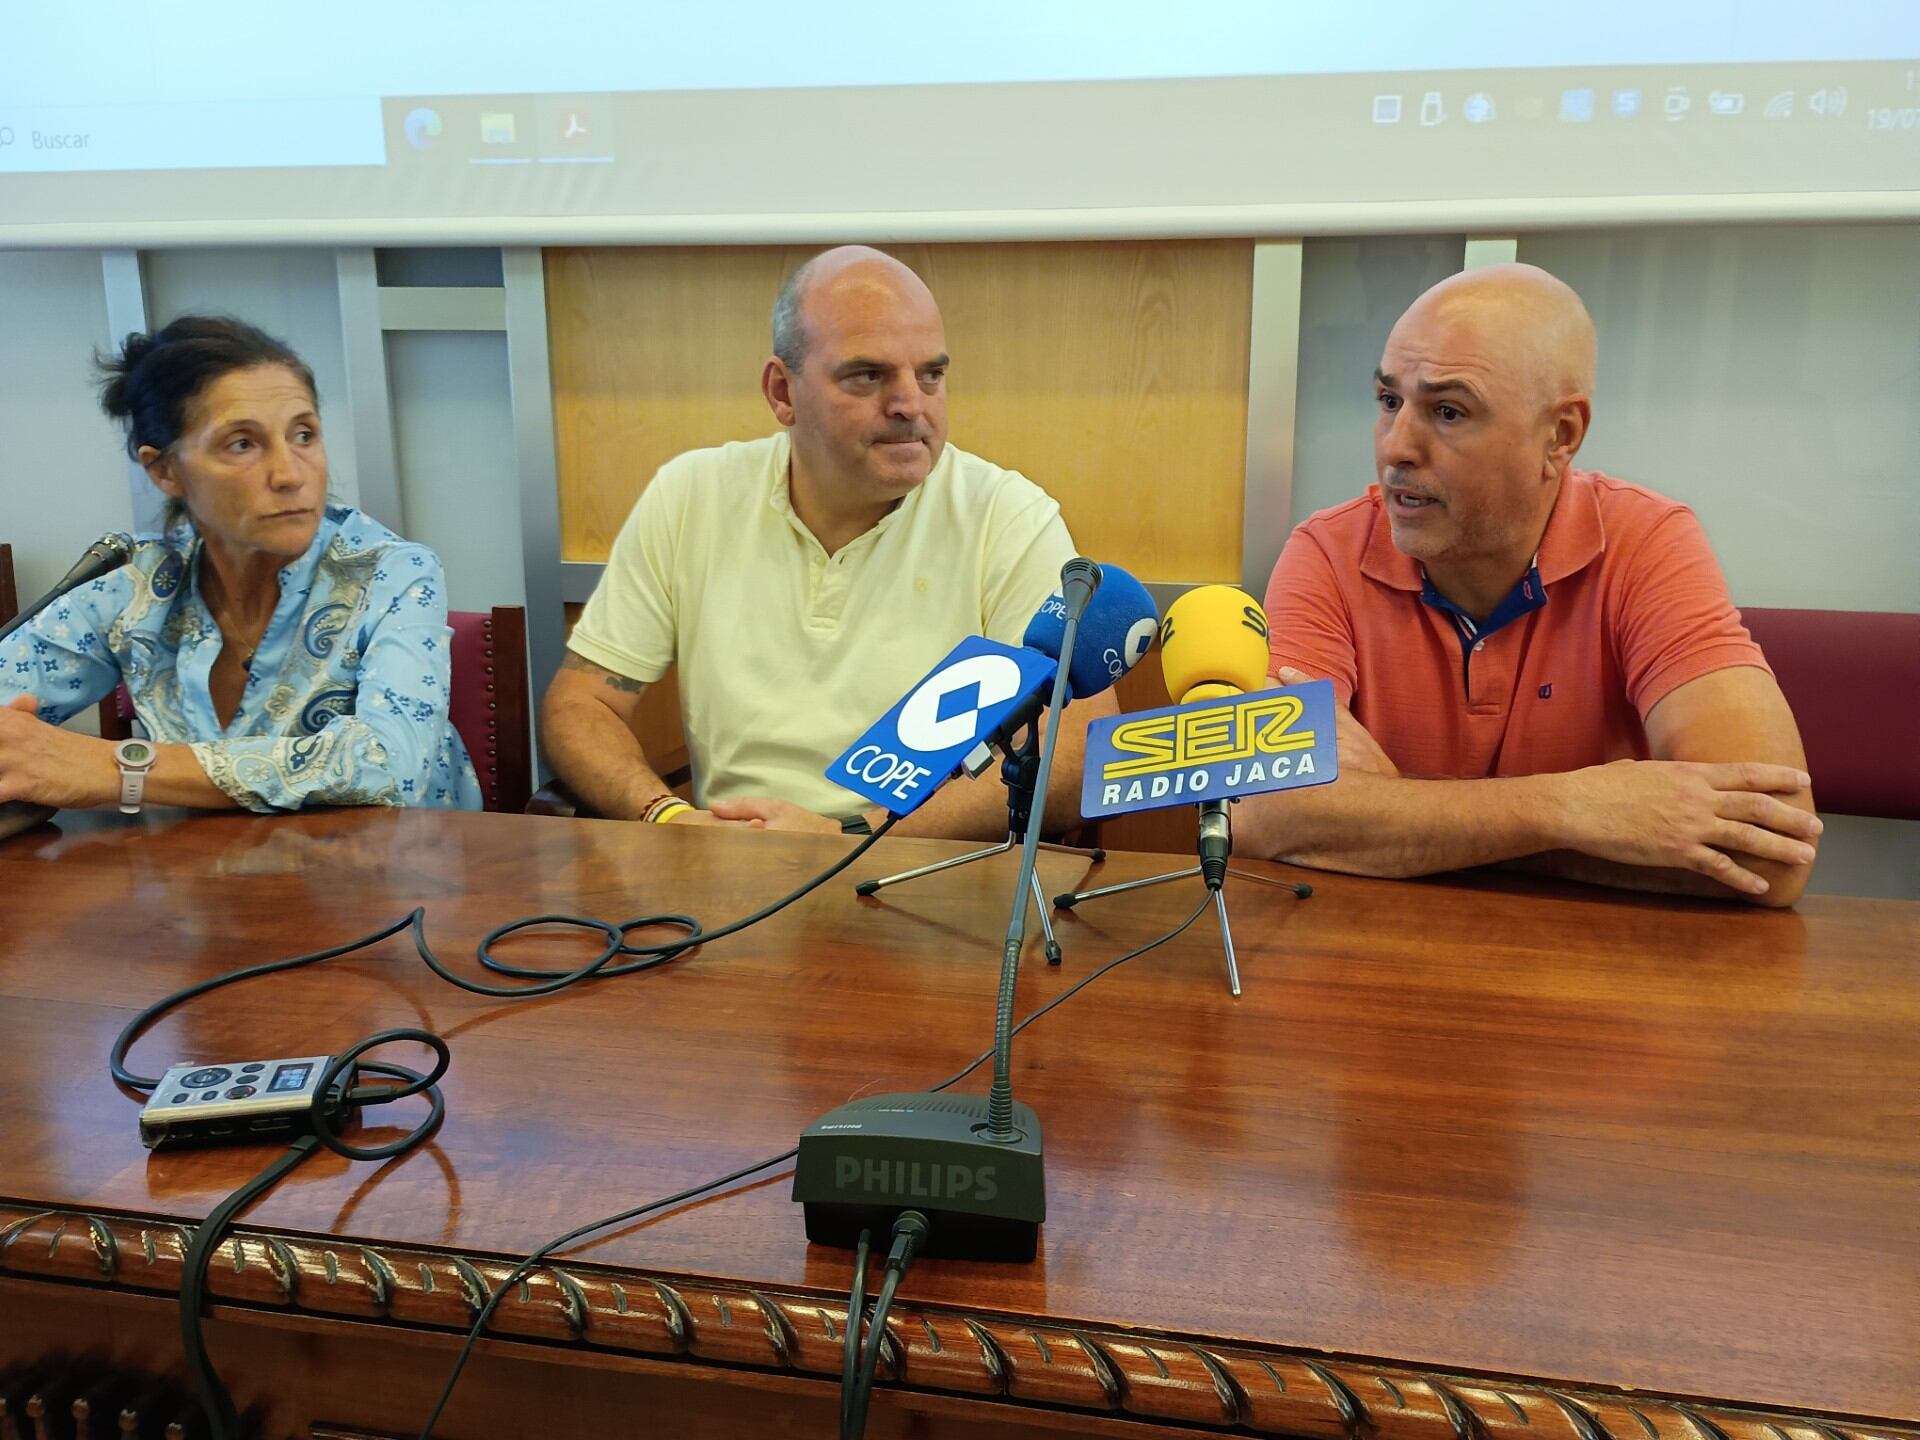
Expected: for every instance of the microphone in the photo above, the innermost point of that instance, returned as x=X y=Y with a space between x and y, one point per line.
x=984 y=693
x=974 y=1164
x=1117 y=623
x=1213 y=645
x=104 y=556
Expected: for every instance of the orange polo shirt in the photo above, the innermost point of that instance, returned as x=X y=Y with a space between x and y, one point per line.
x=1624 y=604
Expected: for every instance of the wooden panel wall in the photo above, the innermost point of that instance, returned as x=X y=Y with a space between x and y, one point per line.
x=1113 y=374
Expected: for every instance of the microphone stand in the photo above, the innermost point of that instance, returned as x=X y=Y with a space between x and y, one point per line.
x=978 y=1160
x=1018 y=773
x=1216 y=844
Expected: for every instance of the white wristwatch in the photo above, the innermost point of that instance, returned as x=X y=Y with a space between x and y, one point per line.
x=135 y=758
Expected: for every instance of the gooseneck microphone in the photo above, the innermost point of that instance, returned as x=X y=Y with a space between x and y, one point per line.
x=1079 y=578
x=104 y=556
x=973 y=1164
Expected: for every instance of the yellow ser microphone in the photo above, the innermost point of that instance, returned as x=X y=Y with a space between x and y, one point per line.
x=1213 y=646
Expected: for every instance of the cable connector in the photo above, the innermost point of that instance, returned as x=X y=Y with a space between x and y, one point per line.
x=910 y=1231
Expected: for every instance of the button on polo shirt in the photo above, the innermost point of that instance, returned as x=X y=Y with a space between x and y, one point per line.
x=787 y=654
x=1624 y=604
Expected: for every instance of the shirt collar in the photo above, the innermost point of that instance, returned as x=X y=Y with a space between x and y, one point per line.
x=1574 y=538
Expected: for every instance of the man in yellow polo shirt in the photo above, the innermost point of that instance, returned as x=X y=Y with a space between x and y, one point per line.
x=805 y=582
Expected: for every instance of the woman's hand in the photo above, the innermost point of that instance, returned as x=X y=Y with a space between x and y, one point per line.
x=46 y=765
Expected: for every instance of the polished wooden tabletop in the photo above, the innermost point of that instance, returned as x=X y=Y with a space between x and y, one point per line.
x=1486 y=1126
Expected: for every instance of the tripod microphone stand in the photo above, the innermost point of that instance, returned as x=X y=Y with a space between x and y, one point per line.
x=1018 y=772
x=1216 y=844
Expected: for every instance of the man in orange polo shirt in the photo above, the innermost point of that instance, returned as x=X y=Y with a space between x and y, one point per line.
x=1537 y=665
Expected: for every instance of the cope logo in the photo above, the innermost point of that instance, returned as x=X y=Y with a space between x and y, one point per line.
x=907 y=754
x=1211 y=750
x=1129 y=653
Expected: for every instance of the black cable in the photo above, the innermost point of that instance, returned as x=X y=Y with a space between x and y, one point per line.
x=856 y=1400
x=910 y=1231
x=222 y=1419
x=651 y=955
x=1075 y=988
x=214 y=1397
x=138 y=1026
x=856 y=1313
x=657 y=954
x=694 y=1192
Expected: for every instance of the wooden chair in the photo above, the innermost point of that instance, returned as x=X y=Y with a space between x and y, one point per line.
x=490 y=708
x=9 y=591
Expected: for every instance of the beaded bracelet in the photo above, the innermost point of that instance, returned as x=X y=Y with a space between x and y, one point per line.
x=664 y=809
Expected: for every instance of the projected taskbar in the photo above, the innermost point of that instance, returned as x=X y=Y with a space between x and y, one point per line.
x=503 y=130
x=190 y=135
x=255 y=134
x=1698 y=111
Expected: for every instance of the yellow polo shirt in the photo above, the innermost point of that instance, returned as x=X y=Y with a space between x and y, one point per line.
x=787 y=654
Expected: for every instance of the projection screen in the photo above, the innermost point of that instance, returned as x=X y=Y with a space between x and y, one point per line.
x=138 y=122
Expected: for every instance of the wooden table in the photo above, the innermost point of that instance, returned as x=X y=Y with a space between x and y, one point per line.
x=1486 y=1160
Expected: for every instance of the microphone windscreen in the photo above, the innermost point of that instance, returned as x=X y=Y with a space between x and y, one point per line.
x=1115 y=633
x=1214 y=642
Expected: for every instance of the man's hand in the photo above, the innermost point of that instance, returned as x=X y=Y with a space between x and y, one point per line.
x=49 y=766
x=764 y=813
x=1685 y=815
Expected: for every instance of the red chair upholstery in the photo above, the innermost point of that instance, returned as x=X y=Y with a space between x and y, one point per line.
x=490 y=706
x=1853 y=680
x=490 y=702
x=117 y=715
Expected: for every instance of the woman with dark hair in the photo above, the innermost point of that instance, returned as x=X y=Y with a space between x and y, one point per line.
x=280 y=650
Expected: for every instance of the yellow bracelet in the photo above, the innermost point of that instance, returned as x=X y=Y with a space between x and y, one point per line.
x=667 y=812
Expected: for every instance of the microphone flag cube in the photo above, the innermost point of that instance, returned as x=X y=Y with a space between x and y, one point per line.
x=917 y=745
x=1281 y=739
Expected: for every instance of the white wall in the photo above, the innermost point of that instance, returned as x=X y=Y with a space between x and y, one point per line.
x=63 y=473
x=1771 y=379
x=290 y=294
x=453 y=431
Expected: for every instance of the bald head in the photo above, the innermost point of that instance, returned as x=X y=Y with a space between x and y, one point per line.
x=846 y=275
x=1527 y=327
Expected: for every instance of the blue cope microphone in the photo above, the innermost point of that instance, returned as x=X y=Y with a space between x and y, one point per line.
x=984 y=691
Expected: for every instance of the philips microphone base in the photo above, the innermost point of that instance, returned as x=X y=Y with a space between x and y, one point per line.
x=861 y=1165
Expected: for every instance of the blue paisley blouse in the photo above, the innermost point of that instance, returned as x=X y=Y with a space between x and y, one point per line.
x=346 y=696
